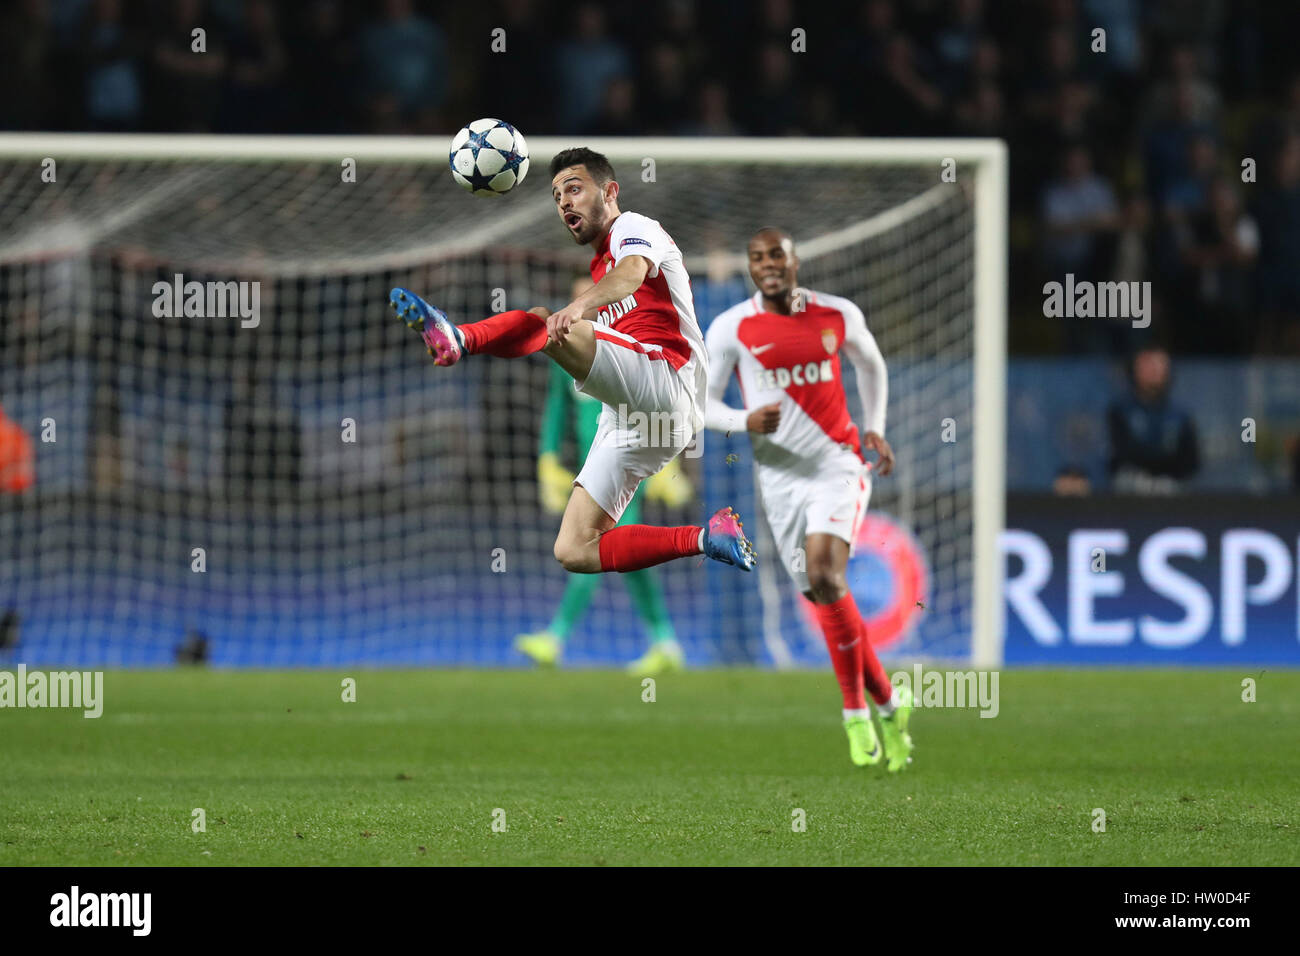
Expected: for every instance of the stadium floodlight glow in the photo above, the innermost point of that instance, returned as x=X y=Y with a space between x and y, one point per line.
x=874 y=220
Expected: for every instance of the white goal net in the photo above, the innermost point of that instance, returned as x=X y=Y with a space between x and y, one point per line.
x=273 y=471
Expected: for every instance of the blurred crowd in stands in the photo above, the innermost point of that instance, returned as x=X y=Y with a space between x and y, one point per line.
x=1127 y=145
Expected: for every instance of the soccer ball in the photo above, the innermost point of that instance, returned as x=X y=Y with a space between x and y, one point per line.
x=489 y=157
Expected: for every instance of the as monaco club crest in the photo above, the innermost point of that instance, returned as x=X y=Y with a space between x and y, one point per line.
x=828 y=340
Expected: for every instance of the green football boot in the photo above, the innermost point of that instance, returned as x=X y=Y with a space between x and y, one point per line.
x=543 y=647
x=898 y=742
x=864 y=747
x=662 y=657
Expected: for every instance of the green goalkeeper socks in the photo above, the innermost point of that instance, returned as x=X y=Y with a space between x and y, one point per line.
x=647 y=598
x=577 y=596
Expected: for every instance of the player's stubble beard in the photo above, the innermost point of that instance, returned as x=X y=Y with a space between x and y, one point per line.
x=594 y=224
x=589 y=231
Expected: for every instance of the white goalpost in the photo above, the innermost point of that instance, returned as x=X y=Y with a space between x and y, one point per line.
x=304 y=489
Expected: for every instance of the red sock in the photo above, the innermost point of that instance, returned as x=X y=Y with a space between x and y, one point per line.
x=506 y=335
x=842 y=627
x=873 y=672
x=631 y=547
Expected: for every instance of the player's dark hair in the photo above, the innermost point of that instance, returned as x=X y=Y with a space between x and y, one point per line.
x=597 y=165
x=776 y=229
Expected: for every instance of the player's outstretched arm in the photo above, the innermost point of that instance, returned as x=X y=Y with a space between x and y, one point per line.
x=620 y=282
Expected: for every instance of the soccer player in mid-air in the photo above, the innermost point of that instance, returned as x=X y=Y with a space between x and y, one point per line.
x=569 y=409
x=632 y=342
x=784 y=345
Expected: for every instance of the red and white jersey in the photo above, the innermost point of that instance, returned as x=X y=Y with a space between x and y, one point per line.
x=795 y=360
x=661 y=312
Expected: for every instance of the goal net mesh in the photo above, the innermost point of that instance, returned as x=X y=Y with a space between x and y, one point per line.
x=299 y=486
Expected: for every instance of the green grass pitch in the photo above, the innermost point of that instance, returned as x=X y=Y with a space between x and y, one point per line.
x=711 y=772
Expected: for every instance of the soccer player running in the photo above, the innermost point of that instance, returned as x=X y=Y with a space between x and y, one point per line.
x=632 y=342
x=566 y=408
x=784 y=345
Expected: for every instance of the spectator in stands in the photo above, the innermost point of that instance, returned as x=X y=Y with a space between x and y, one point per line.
x=1153 y=443
x=528 y=46
x=1184 y=196
x=956 y=41
x=665 y=93
x=618 y=115
x=905 y=102
x=712 y=113
x=1131 y=248
x=1121 y=19
x=1073 y=118
x=860 y=47
x=1219 y=244
x=186 y=85
x=584 y=66
x=776 y=20
x=983 y=112
x=1186 y=192
x=26 y=66
x=775 y=107
x=1071 y=482
x=403 y=60
x=322 y=70
x=1079 y=210
x=985 y=62
x=1168 y=140
x=1060 y=65
x=1184 y=94
x=253 y=98
x=980 y=107
x=113 y=94
x=820 y=116
x=680 y=27
x=1277 y=211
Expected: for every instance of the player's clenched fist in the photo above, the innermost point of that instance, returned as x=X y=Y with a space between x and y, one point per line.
x=875 y=442
x=764 y=420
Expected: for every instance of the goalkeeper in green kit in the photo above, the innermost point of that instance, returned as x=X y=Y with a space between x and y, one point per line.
x=565 y=405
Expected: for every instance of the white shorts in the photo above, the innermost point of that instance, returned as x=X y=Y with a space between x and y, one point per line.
x=651 y=413
x=831 y=501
